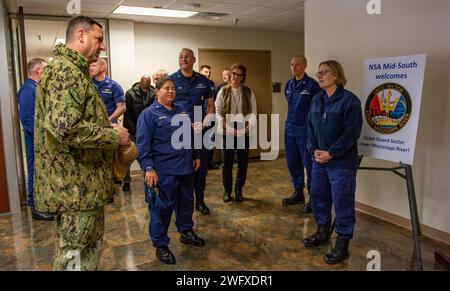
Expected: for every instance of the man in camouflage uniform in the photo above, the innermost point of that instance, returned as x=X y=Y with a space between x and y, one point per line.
x=74 y=148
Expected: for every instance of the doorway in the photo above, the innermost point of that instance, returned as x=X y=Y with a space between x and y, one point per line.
x=259 y=76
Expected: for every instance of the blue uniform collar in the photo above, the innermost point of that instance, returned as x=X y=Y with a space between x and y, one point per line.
x=158 y=106
x=180 y=75
x=31 y=81
x=336 y=95
x=107 y=80
x=300 y=82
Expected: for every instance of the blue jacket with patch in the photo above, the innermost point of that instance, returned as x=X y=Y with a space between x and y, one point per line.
x=111 y=93
x=154 y=135
x=192 y=92
x=26 y=98
x=334 y=125
x=299 y=94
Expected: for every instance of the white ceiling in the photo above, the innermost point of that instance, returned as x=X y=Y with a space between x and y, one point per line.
x=282 y=15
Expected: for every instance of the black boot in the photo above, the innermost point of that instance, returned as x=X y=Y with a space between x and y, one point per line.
x=320 y=237
x=227 y=197
x=165 y=255
x=200 y=205
x=239 y=197
x=41 y=216
x=296 y=198
x=191 y=238
x=126 y=187
x=307 y=207
x=339 y=253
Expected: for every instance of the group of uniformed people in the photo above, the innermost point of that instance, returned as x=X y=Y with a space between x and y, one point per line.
x=76 y=135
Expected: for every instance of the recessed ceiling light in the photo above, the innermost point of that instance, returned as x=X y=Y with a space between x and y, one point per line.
x=154 y=12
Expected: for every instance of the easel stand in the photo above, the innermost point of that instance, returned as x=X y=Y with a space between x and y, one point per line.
x=408 y=176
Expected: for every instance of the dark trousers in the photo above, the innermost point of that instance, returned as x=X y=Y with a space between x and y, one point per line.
x=29 y=143
x=177 y=190
x=298 y=159
x=127 y=178
x=200 y=176
x=228 y=155
x=334 y=186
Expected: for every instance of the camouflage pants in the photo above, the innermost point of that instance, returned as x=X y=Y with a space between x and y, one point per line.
x=80 y=240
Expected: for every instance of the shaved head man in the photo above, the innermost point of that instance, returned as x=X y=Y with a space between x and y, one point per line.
x=299 y=91
x=193 y=91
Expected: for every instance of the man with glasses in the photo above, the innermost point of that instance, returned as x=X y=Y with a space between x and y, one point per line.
x=299 y=92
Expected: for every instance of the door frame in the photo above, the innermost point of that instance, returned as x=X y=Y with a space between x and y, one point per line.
x=256 y=152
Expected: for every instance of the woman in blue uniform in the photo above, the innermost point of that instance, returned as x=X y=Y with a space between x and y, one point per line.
x=168 y=171
x=334 y=126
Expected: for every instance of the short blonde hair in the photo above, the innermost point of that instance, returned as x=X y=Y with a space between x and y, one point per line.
x=337 y=70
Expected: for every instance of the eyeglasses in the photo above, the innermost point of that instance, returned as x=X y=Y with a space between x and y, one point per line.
x=168 y=88
x=236 y=74
x=322 y=73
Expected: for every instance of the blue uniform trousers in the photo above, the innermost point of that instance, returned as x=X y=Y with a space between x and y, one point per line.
x=334 y=185
x=29 y=143
x=175 y=194
x=298 y=158
x=200 y=174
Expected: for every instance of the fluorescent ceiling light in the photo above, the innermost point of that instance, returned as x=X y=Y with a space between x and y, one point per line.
x=60 y=40
x=153 y=12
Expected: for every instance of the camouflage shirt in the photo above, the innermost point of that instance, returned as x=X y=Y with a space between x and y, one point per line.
x=74 y=141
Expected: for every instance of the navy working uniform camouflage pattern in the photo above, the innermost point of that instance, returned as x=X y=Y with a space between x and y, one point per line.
x=74 y=151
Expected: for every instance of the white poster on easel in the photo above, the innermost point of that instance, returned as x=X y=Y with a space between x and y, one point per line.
x=392 y=97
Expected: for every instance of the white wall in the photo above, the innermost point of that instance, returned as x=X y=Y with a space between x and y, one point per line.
x=343 y=30
x=6 y=118
x=157 y=47
x=122 y=53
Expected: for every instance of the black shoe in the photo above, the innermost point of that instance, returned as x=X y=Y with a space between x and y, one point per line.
x=320 y=237
x=41 y=216
x=202 y=208
x=239 y=197
x=307 y=207
x=296 y=198
x=126 y=187
x=165 y=256
x=339 y=253
x=227 y=197
x=191 y=238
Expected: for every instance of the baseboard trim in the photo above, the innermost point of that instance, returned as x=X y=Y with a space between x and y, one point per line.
x=427 y=231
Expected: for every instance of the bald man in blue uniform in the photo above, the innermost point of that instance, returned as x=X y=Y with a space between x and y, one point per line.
x=193 y=90
x=299 y=92
x=26 y=99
